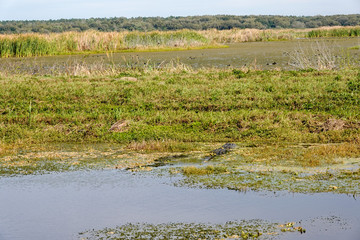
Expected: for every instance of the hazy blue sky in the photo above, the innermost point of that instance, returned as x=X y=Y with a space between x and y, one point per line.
x=56 y=9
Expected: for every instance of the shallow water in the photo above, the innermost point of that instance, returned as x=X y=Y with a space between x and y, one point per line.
x=60 y=205
x=265 y=55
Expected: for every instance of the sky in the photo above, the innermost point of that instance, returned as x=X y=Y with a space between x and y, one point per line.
x=65 y=9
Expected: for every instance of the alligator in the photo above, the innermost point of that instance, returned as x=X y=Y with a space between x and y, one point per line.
x=220 y=151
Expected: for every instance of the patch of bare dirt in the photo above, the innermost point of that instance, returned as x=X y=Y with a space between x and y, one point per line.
x=119 y=126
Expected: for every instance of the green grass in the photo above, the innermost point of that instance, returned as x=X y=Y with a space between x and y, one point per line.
x=182 y=106
x=340 y=32
x=26 y=46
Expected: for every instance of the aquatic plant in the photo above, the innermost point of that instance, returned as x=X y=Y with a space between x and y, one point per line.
x=251 y=229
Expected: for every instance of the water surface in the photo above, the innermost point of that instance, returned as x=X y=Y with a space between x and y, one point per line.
x=60 y=205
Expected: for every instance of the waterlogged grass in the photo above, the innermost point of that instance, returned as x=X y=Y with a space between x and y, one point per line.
x=251 y=229
x=305 y=169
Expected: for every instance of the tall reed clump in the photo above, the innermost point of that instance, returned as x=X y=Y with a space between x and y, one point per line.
x=94 y=41
x=183 y=38
x=335 y=32
x=26 y=46
x=322 y=56
x=251 y=35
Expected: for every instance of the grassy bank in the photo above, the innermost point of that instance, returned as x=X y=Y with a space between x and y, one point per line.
x=26 y=45
x=182 y=105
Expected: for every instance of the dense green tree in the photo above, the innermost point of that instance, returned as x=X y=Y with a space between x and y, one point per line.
x=176 y=23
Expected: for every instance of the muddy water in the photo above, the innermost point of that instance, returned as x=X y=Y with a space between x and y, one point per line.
x=60 y=205
x=265 y=55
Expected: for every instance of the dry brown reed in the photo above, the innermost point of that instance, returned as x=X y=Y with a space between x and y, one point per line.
x=252 y=35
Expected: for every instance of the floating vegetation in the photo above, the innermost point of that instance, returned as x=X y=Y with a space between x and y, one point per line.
x=340 y=182
x=309 y=169
x=252 y=229
x=62 y=158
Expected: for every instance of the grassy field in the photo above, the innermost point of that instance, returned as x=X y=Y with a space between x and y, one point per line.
x=182 y=105
x=27 y=45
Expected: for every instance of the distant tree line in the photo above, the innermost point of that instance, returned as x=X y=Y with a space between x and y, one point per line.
x=219 y=22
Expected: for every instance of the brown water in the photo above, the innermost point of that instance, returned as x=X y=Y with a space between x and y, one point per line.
x=60 y=205
x=265 y=55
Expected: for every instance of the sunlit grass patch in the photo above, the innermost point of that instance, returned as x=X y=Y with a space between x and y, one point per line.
x=210 y=169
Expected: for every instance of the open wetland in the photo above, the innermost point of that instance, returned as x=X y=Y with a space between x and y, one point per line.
x=158 y=198
x=257 y=140
x=260 y=55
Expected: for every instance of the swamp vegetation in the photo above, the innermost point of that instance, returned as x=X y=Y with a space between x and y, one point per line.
x=35 y=44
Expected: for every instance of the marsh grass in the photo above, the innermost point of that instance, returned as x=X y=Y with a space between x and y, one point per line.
x=183 y=39
x=27 y=45
x=335 y=32
x=32 y=44
x=253 y=35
